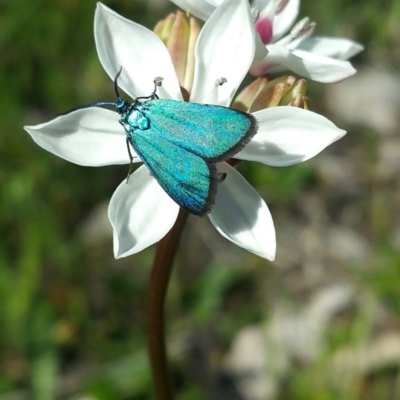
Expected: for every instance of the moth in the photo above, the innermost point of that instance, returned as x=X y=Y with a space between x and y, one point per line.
x=181 y=143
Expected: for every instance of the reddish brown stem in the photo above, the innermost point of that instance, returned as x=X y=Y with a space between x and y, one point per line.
x=158 y=285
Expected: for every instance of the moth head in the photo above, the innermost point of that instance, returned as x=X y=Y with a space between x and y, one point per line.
x=122 y=105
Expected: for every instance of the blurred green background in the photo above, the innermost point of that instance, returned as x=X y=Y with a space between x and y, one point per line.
x=321 y=323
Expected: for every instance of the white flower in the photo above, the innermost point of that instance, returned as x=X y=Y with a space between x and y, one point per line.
x=198 y=8
x=141 y=213
x=321 y=59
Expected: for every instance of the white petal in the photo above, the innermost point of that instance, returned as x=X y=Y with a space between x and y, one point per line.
x=141 y=213
x=260 y=51
x=285 y=19
x=199 y=8
x=140 y=53
x=337 y=48
x=317 y=68
x=91 y=137
x=289 y=135
x=225 y=49
x=241 y=215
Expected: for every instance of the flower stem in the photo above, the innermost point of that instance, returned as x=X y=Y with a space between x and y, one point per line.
x=158 y=285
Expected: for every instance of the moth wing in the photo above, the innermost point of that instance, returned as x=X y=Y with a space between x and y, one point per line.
x=188 y=179
x=214 y=133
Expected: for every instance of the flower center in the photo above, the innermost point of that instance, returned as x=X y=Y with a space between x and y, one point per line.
x=264 y=18
x=302 y=30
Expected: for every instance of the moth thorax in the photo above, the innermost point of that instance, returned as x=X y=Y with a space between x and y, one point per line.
x=136 y=119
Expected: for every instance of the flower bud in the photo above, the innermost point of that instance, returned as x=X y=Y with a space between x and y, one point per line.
x=245 y=98
x=179 y=34
x=299 y=88
x=283 y=91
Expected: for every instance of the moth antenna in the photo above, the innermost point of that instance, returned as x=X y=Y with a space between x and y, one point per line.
x=157 y=83
x=101 y=103
x=116 y=83
x=98 y=104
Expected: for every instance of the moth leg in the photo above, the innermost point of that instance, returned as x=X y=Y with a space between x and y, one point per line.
x=221 y=176
x=130 y=171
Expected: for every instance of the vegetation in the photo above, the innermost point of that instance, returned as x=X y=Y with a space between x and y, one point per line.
x=72 y=317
